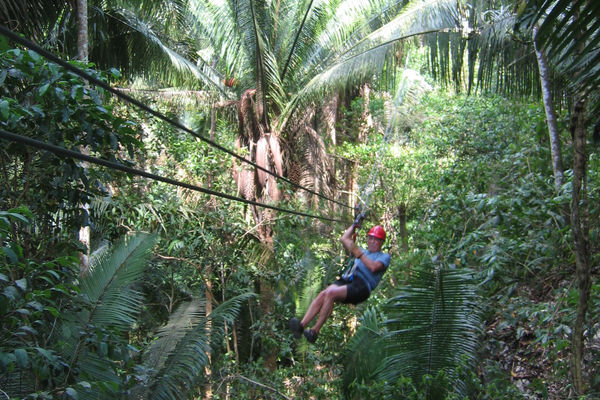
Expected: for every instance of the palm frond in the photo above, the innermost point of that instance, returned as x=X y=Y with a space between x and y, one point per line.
x=226 y=313
x=569 y=33
x=369 y=55
x=352 y=22
x=363 y=354
x=216 y=22
x=312 y=17
x=201 y=69
x=113 y=302
x=310 y=285
x=40 y=20
x=182 y=349
x=185 y=318
x=434 y=325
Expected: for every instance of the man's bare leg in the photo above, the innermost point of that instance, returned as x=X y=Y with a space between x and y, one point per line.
x=332 y=294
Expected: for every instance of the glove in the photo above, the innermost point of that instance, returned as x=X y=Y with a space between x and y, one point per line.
x=358 y=221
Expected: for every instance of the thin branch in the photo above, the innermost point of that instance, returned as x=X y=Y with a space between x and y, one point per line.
x=187 y=260
x=243 y=378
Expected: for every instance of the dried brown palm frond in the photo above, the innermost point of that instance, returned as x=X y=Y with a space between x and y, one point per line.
x=243 y=174
x=317 y=166
x=262 y=160
x=276 y=154
x=249 y=126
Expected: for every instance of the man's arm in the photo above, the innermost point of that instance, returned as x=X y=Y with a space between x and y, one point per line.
x=374 y=266
x=348 y=243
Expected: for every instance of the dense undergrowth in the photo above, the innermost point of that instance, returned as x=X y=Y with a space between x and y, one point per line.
x=472 y=173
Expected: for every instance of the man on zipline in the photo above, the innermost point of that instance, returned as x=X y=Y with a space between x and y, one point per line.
x=369 y=267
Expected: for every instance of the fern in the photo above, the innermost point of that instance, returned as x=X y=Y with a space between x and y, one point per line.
x=112 y=305
x=434 y=325
x=364 y=352
x=176 y=360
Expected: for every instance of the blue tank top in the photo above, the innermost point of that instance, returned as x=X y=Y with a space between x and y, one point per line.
x=370 y=278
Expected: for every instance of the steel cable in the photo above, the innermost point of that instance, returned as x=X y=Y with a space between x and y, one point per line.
x=120 y=167
x=46 y=54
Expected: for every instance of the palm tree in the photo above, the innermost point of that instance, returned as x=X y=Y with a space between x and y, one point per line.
x=432 y=329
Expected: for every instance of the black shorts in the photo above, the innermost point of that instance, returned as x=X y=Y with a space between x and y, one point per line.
x=357 y=290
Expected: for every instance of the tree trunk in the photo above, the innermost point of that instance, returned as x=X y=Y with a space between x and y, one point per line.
x=209 y=297
x=580 y=229
x=82 y=54
x=366 y=119
x=402 y=224
x=553 y=132
x=82 y=31
x=208 y=282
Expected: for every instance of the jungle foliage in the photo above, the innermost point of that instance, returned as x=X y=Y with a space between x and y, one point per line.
x=184 y=296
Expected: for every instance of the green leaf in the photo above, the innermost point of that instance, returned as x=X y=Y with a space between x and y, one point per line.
x=43 y=89
x=22 y=284
x=3 y=47
x=21 y=211
x=54 y=273
x=3 y=278
x=52 y=310
x=21 y=358
x=10 y=254
x=34 y=56
x=4 y=109
x=4 y=222
x=29 y=330
x=5 y=360
x=11 y=292
x=35 y=305
x=14 y=215
x=77 y=92
x=103 y=350
x=115 y=73
x=47 y=354
x=72 y=393
x=85 y=384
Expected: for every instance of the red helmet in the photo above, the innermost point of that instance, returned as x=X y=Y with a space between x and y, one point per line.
x=377 y=231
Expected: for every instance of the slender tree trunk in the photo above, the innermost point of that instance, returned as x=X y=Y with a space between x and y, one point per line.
x=553 y=132
x=580 y=229
x=330 y=112
x=208 y=273
x=82 y=30
x=366 y=119
x=267 y=301
x=209 y=297
x=402 y=225
x=82 y=54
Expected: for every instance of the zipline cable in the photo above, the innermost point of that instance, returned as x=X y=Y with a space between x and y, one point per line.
x=46 y=54
x=369 y=186
x=117 y=166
